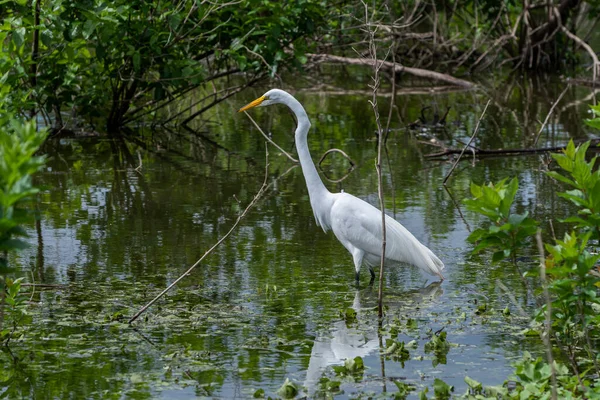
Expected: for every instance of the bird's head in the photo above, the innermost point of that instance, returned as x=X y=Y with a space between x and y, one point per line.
x=273 y=96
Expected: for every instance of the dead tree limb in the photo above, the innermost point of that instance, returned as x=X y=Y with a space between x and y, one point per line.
x=590 y=51
x=501 y=152
x=389 y=66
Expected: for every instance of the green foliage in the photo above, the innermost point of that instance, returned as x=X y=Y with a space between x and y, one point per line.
x=353 y=368
x=532 y=379
x=439 y=346
x=404 y=390
x=441 y=389
x=594 y=122
x=100 y=58
x=327 y=385
x=18 y=144
x=572 y=279
x=584 y=181
x=570 y=265
x=349 y=315
x=288 y=390
x=396 y=351
x=506 y=232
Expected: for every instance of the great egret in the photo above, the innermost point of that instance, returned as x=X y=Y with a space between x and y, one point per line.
x=355 y=223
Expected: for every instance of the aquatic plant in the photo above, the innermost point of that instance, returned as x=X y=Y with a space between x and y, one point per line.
x=506 y=232
x=568 y=274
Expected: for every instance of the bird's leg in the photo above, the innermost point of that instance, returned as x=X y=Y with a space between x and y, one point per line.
x=372 y=273
x=357 y=256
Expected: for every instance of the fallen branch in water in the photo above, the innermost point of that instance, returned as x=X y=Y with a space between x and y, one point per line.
x=258 y=195
x=399 y=68
x=329 y=90
x=473 y=151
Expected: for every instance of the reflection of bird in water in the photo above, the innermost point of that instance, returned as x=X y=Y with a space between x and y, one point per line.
x=347 y=342
x=341 y=343
x=355 y=223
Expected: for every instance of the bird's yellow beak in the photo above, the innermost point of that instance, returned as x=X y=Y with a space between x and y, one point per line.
x=253 y=104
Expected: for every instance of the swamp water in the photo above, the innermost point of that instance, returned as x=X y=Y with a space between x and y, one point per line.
x=273 y=301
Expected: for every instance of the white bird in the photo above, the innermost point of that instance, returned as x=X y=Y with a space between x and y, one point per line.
x=355 y=223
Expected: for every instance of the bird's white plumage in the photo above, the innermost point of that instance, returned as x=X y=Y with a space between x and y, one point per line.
x=355 y=223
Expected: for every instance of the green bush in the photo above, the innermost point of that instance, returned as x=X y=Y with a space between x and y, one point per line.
x=505 y=232
x=572 y=277
x=122 y=59
x=18 y=162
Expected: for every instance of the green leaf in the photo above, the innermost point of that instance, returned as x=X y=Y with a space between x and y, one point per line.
x=561 y=178
x=13 y=244
x=403 y=390
x=136 y=61
x=288 y=390
x=498 y=256
x=476 y=190
x=88 y=28
x=564 y=161
x=175 y=20
x=594 y=123
x=441 y=389
x=473 y=384
x=18 y=37
x=509 y=196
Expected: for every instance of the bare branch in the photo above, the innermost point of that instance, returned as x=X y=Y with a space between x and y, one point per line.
x=549 y=113
x=268 y=139
x=419 y=72
x=258 y=195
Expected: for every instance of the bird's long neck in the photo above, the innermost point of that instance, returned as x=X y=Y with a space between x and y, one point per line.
x=315 y=186
x=320 y=198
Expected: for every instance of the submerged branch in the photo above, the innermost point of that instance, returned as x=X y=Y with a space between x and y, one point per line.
x=497 y=152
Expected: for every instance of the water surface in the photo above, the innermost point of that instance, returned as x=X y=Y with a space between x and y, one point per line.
x=120 y=220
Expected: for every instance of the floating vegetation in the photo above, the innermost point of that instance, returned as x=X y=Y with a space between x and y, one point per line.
x=352 y=368
x=439 y=346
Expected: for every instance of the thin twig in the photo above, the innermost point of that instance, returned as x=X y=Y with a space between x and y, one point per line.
x=549 y=113
x=548 y=324
x=468 y=143
x=380 y=138
x=33 y=291
x=512 y=298
x=221 y=240
x=458 y=208
x=268 y=139
x=139 y=167
x=393 y=100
